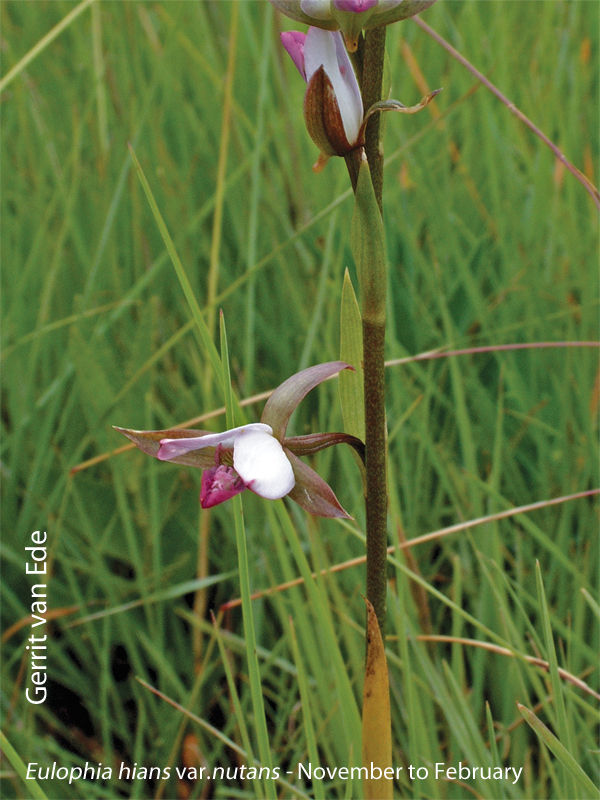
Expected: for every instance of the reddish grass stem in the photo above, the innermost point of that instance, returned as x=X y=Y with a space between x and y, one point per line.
x=583 y=180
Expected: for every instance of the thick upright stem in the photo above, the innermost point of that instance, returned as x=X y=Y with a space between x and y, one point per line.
x=373 y=351
x=376 y=499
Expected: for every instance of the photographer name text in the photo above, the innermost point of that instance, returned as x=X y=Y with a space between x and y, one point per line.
x=37 y=692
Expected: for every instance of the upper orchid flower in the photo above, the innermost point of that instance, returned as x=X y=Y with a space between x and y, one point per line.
x=352 y=16
x=257 y=456
x=333 y=108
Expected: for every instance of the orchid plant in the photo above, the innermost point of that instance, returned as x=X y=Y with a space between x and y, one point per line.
x=341 y=59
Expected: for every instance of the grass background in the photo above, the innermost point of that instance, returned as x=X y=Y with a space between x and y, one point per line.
x=490 y=241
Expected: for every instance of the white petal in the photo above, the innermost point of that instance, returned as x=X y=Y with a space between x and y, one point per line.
x=347 y=91
x=318 y=9
x=261 y=463
x=326 y=48
x=171 y=448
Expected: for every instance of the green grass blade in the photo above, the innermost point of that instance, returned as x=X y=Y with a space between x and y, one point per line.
x=562 y=725
x=43 y=43
x=305 y=700
x=201 y=328
x=562 y=754
x=11 y=754
x=233 y=693
x=258 y=705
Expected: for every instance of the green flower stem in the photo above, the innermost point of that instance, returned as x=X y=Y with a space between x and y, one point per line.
x=372 y=54
x=353 y=159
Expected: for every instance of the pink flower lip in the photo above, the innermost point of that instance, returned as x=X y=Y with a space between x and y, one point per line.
x=356 y=6
x=219 y=484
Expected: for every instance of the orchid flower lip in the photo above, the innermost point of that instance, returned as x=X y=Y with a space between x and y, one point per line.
x=219 y=483
x=261 y=462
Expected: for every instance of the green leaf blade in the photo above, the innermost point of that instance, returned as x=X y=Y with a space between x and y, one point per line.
x=351 y=351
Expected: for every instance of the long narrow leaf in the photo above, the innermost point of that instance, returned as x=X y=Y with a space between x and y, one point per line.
x=201 y=328
x=35 y=792
x=560 y=751
x=351 y=383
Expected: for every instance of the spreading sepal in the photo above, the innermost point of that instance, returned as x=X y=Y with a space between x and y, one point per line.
x=286 y=397
x=149 y=442
x=313 y=442
x=312 y=493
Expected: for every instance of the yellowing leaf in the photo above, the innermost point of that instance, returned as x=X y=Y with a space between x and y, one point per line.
x=376 y=718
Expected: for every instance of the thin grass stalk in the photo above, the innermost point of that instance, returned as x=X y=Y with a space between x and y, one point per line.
x=233 y=693
x=205 y=338
x=557 y=748
x=563 y=727
x=255 y=198
x=583 y=179
x=305 y=699
x=258 y=705
x=318 y=600
x=34 y=789
x=38 y=48
x=99 y=70
x=217 y=226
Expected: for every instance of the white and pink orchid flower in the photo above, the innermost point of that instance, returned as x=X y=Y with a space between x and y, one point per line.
x=333 y=108
x=258 y=456
x=351 y=16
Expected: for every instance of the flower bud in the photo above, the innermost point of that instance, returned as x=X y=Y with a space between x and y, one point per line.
x=333 y=108
x=322 y=116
